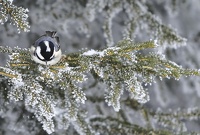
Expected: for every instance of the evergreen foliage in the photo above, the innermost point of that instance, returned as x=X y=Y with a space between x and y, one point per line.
x=17 y=15
x=52 y=97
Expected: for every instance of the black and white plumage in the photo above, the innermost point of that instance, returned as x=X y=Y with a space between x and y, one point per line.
x=46 y=50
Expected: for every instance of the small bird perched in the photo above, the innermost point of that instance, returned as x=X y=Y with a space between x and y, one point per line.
x=46 y=50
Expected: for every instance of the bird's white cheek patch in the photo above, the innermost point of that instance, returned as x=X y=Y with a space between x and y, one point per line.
x=38 y=52
x=52 y=55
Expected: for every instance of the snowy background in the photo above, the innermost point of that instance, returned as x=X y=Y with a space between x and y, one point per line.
x=86 y=32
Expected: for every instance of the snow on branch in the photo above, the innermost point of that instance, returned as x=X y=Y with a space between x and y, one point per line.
x=121 y=68
x=17 y=15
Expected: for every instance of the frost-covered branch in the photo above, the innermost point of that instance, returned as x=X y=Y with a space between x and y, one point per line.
x=173 y=119
x=121 y=68
x=17 y=15
x=115 y=126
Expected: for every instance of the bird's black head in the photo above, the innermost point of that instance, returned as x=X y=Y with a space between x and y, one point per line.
x=45 y=50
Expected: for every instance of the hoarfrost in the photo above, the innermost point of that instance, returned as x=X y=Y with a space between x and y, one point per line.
x=137 y=91
x=79 y=96
x=114 y=93
x=93 y=52
x=17 y=82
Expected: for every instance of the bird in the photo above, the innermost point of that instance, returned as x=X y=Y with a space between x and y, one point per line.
x=46 y=49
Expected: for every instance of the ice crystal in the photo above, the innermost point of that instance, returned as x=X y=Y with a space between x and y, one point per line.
x=114 y=94
x=136 y=90
x=93 y=52
x=17 y=85
x=37 y=101
x=17 y=15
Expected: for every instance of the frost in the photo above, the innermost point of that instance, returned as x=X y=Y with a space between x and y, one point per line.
x=156 y=43
x=10 y=1
x=17 y=82
x=17 y=15
x=101 y=53
x=48 y=126
x=113 y=98
x=79 y=95
x=93 y=52
x=137 y=91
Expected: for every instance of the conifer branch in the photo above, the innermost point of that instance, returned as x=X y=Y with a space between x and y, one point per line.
x=116 y=66
x=115 y=126
x=9 y=50
x=17 y=15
